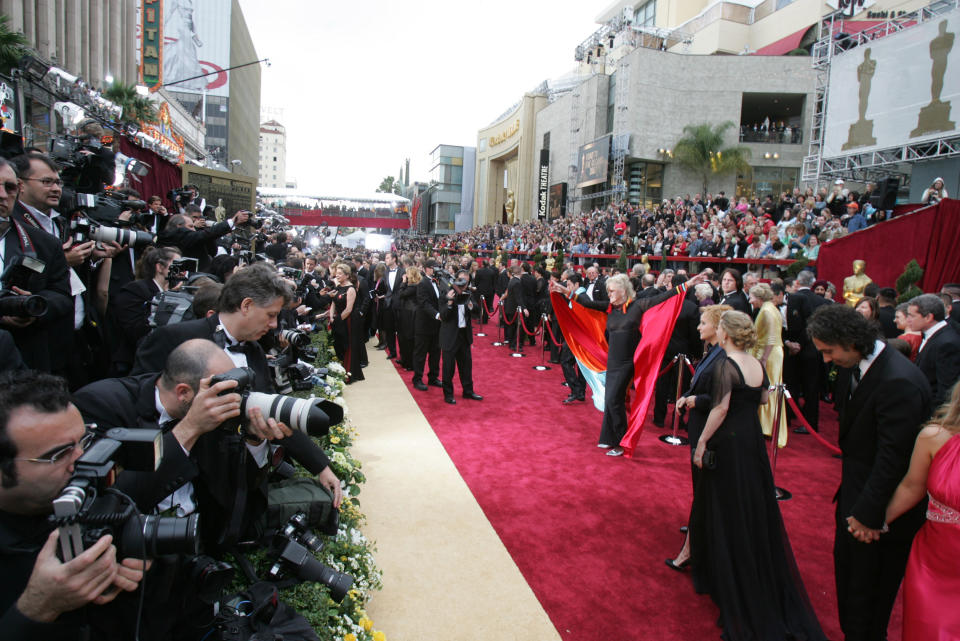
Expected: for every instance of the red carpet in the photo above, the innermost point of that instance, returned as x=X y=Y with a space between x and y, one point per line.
x=590 y=532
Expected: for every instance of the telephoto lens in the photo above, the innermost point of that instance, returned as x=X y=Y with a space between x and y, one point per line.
x=311 y=415
x=295 y=337
x=306 y=567
x=23 y=306
x=122 y=236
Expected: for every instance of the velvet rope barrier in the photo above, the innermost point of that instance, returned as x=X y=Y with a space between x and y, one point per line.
x=796 y=410
x=668 y=367
x=483 y=301
x=527 y=331
x=690 y=367
x=508 y=321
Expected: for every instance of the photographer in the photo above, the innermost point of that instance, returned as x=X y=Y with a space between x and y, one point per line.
x=19 y=241
x=196 y=243
x=456 y=337
x=249 y=305
x=41 y=436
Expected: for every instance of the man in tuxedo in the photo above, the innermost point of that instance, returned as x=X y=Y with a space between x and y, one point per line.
x=485 y=281
x=886 y=310
x=939 y=355
x=529 y=284
x=595 y=285
x=394 y=278
x=572 y=375
x=731 y=289
x=426 y=329
x=886 y=399
x=40 y=339
x=249 y=304
x=201 y=244
x=456 y=336
x=514 y=304
x=802 y=365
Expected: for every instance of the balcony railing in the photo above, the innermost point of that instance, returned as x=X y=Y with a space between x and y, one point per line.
x=777 y=136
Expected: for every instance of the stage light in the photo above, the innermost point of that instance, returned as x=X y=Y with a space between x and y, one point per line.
x=776 y=156
x=109 y=79
x=766 y=156
x=33 y=67
x=143 y=90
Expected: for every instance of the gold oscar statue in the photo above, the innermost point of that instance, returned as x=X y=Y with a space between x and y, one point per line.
x=936 y=116
x=861 y=132
x=551 y=261
x=220 y=211
x=510 y=205
x=853 y=286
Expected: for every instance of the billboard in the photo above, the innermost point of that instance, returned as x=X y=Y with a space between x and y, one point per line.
x=196 y=41
x=593 y=161
x=234 y=191
x=543 y=184
x=558 y=200
x=901 y=89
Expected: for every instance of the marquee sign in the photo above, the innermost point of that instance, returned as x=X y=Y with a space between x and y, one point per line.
x=151 y=44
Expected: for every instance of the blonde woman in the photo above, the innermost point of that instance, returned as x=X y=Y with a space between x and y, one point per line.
x=932 y=578
x=769 y=351
x=740 y=553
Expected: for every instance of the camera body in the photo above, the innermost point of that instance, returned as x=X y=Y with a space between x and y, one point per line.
x=87 y=508
x=180 y=270
x=24 y=273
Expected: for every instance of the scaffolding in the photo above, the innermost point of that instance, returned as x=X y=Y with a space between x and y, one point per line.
x=832 y=40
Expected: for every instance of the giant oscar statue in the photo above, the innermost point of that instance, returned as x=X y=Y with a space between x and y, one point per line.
x=853 y=286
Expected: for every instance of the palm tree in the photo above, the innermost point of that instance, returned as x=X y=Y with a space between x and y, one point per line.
x=701 y=151
x=135 y=107
x=13 y=45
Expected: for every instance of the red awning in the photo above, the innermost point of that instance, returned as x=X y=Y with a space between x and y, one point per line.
x=793 y=41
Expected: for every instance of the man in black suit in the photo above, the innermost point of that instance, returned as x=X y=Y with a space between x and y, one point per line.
x=40 y=340
x=595 y=284
x=886 y=400
x=249 y=305
x=514 y=304
x=685 y=339
x=393 y=278
x=731 y=289
x=802 y=365
x=426 y=328
x=648 y=287
x=456 y=336
x=529 y=284
x=939 y=355
x=277 y=250
x=485 y=281
x=886 y=310
x=201 y=244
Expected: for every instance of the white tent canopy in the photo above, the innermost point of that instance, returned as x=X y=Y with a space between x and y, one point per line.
x=353 y=240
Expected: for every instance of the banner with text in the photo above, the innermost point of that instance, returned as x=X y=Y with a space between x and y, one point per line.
x=594 y=158
x=543 y=185
x=558 y=200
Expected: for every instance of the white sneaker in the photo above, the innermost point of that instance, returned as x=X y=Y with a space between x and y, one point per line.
x=617 y=451
x=604 y=446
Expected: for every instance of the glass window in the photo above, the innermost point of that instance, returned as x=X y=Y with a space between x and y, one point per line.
x=646 y=15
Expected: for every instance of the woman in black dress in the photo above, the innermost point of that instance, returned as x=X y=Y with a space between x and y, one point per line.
x=346 y=328
x=696 y=401
x=407 y=295
x=624 y=315
x=740 y=553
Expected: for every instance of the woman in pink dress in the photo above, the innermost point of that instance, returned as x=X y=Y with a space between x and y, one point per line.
x=932 y=582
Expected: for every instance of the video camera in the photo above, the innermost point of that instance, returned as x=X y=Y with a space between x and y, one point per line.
x=180 y=197
x=310 y=415
x=181 y=269
x=22 y=272
x=88 y=508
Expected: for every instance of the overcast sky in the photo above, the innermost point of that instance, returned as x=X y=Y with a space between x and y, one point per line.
x=363 y=85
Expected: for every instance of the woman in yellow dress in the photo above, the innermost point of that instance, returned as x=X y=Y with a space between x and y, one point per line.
x=769 y=351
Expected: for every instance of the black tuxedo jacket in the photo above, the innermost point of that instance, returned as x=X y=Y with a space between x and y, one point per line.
x=485 y=281
x=451 y=334
x=200 y=243
x=428 y=308
x=939 y=360
x=514 y=297
x=738 y=301
x=46 y=343
x=599 y=288
x=131 y=310
x=503 y=280
x=800 y=305
x=152 y=356
x=878 y=426
x=685 y=338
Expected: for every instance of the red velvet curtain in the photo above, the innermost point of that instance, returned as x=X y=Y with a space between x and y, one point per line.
x=931 y=235
x=163 y=176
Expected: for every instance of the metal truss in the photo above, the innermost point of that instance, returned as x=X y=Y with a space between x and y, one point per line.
x=832 y=41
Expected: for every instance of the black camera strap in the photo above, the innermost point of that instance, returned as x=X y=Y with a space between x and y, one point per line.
x=26 y=245
x=232 y=534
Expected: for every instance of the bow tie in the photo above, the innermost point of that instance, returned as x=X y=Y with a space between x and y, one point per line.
x=239 y=348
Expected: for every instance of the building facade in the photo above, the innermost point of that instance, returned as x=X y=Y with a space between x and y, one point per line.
x=506 y=158
x=273 y=155
x=450 y=205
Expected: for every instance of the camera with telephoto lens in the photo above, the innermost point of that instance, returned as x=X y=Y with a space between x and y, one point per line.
x=83 y=229
x=210 y=577
x=22 y=272
x=295 y=337
x=310 y=415
x=298 y=529
x=89 y=508
x=181 y=269
x=291 y=273
x=181 y=196
x=294 y=558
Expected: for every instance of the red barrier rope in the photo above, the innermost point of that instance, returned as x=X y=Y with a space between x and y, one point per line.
x=505 y=320
x=796 y=410
x=483 y=301
x=553 y=339
x=690 y=367
x=668 y=367
x=527 y=331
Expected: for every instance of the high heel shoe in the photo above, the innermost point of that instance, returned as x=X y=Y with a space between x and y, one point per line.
x=679 y=567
